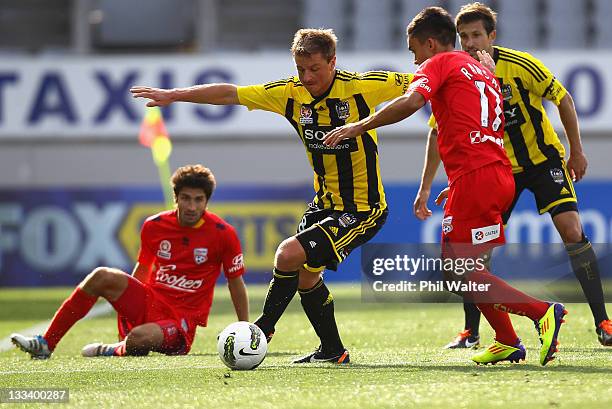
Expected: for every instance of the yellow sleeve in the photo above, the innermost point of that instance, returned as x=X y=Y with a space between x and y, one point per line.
x=432 y=122
x=544 y=83
x=268 y=97
x=380 y=86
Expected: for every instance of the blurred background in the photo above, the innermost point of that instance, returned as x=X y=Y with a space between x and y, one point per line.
x=75 y=184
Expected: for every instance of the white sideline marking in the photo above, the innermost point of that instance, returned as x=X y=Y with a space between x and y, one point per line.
x=151 y=368
x=96 y=311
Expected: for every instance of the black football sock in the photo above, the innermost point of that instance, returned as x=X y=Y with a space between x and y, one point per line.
x=586 y=268
x=280 y=293
x=318 y=305
x=472 y=317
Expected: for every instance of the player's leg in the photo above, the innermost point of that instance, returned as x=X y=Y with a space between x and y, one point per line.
x=290 y=256
x=102 y=282
x=584 y=264
x=139 y=342
x=555 y=194
x=336 y=236
x=318 y=304
x=484 y=230
x=470 y=336
x=166 y=336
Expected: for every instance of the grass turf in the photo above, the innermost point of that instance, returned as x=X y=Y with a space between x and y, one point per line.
x=396 y=354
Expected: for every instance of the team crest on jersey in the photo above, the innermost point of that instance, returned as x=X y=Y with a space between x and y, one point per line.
x=200 y=255
x=557 y=175
x=506 y=91
x=164 y=250
x=343 y=109
x=306 y=115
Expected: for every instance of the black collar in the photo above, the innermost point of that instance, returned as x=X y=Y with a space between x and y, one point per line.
x=495 y=54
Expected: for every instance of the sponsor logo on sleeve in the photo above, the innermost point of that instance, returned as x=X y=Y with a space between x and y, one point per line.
x=237 y=263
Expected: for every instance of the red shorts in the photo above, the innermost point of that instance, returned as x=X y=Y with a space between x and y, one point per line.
x=139 y=305
x=472 y=220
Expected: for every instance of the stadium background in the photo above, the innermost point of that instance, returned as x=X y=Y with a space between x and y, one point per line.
x=75 y=184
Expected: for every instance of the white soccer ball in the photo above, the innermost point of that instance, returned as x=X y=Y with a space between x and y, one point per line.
x=242 y=345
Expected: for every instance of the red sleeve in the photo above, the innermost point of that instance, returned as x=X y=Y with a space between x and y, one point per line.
x=233 y=260
x=427 y=79
x=146 y=255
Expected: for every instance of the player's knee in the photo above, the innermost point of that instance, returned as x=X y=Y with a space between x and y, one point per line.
x=308 y=279
x=139 y=341
x=290 y=255
x=571 y=234
x=97 y=280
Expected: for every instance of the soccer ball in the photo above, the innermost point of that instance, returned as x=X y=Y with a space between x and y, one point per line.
x=242 y=345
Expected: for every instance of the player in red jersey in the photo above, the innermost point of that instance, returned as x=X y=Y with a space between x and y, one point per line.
x=466 y=102
x=171 y=291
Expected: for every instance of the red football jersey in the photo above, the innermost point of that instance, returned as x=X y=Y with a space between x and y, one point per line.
x=188 y=260
x=467 y=104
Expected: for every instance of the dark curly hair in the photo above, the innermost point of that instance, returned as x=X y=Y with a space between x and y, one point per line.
x=194 y=176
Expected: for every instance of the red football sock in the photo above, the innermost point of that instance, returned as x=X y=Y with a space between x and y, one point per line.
x=73 y=309
x=500 y=322
x=120 y=349
x=507 y=298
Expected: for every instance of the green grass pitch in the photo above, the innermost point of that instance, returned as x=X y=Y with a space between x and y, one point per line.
x=396 y=354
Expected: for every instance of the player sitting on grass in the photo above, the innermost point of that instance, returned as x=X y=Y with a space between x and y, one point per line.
x=181 y=255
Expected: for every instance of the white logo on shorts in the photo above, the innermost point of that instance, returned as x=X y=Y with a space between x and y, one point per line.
x=485 y=234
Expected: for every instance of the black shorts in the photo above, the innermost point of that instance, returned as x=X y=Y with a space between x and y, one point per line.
x=328 y=236
x=551 y=185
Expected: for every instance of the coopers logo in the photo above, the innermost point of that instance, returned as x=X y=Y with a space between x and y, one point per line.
x=166 y=276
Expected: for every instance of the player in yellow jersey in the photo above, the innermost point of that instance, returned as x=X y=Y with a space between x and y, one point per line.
x=537 y=157
x=349 y=207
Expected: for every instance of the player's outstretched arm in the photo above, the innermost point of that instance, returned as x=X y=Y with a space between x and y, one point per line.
x=577 y=162
x=398 y=109
x=430 y=167
x=215 y=94
x=240 y=297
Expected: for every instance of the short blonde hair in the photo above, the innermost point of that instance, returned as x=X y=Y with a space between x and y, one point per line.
x=309 y=41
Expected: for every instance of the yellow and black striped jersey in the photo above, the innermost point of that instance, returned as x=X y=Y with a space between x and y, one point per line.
x=346 y=177
x=530 y=138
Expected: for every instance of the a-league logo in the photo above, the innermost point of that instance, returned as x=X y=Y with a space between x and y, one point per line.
x=306 y=115
x=164 y=249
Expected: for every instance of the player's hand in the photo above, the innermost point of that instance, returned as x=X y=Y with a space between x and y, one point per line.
x=159 y=97
x=577 y=165
x=486 y=60
x=421 y=211
x=441 y=196
x=334 y=137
